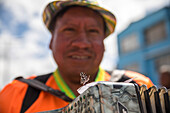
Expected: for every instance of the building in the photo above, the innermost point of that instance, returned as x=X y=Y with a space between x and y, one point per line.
x=145 y=45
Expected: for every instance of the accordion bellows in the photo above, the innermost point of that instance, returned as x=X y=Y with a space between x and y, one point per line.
x=113 y=97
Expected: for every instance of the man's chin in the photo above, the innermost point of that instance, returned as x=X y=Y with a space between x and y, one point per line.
x=77 y=70
x=86 y=70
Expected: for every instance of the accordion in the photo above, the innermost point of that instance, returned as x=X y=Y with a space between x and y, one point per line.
x=113 y=97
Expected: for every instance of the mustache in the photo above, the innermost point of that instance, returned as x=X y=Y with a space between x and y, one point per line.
x=83 y=50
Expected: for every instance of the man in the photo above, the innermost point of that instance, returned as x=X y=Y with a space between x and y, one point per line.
x=78 y=29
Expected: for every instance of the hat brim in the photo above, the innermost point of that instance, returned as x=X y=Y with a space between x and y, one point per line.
x=54 y=7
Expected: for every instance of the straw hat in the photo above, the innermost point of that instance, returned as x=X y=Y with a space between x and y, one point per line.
x=56 y=6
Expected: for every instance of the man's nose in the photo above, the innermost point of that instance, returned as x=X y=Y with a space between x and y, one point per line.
x=82 y=41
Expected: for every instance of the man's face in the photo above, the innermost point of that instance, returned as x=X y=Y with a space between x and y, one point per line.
x=77 y=41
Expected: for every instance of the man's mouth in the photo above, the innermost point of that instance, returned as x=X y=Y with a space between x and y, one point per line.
x=80 y=57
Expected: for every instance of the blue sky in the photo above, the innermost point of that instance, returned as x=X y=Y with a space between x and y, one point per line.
x=24 y=39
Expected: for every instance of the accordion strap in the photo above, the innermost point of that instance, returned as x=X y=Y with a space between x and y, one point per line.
x=40 y=86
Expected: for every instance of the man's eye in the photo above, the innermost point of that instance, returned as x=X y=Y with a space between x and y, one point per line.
x=93 y=31
x=69 y=29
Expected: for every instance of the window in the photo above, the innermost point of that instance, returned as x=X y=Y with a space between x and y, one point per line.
x=163 y=69
x=155 y=33
x=164 y=60
x=129 y=43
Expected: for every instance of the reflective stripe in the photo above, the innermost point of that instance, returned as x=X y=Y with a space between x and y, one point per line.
x=100 y=75
x=65 y=88
x=62 y=85
x=140 y=78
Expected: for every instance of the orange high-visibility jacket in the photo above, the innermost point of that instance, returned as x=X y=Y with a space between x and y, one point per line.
x=12 y=96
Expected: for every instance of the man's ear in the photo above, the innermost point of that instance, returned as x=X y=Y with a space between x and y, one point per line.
x=51 y=41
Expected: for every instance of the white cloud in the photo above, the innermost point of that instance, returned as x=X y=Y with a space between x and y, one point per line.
x=19 y=57
x=28 y=52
